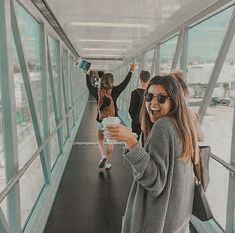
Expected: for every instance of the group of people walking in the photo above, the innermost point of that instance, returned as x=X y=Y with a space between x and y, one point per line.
x=161 y=196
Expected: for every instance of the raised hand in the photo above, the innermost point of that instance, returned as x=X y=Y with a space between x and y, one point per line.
x=132 y=66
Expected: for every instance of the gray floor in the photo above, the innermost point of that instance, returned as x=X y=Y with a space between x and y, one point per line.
x=89 y=199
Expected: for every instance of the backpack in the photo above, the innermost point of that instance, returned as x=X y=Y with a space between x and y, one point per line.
x=105 y=104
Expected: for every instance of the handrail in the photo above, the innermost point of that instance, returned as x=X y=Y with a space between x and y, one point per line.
x=20 y=173
x=223 y=163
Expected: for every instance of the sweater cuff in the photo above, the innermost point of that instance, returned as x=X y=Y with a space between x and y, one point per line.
x=135 y=154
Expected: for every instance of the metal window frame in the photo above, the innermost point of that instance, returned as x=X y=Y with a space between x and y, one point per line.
x=59 y=91
x=9 y=116
x=177 y=49
x=53 y=95
x=64 y=89
x=157 y=67
x=44 y=96
x=230 y=214
x=184 y=51
x=28 y=90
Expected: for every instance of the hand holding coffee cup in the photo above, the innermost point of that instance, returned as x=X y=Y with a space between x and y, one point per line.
x=108 y=134
x=120 y=133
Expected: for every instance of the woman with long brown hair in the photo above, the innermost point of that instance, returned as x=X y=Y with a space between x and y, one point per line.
x=161 y=196
x=106 y=96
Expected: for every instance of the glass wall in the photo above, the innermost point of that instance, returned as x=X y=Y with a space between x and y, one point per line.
x=30 y=61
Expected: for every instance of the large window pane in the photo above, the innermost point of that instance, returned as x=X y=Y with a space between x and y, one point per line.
x=26 y=139
x=3 y=206
x=167 y=51
x=29 y=32
x=54 y=50
x=219 y=186
x=218 y=120
x=204 y=41
x=34 y=179
x=148 y=59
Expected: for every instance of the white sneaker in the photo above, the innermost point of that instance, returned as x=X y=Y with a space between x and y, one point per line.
x=102 y=161
x=108 y=166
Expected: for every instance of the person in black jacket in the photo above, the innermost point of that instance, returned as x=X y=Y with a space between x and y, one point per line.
x=107 y=79
x=136 y=102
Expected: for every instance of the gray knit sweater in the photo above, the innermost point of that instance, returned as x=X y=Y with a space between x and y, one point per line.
x=161 y=196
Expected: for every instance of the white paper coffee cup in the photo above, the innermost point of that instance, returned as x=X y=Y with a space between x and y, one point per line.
x=110 y=121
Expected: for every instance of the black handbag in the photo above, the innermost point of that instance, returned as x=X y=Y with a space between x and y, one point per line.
x=201 y=207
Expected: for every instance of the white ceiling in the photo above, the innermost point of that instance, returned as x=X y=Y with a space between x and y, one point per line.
x=115 y=29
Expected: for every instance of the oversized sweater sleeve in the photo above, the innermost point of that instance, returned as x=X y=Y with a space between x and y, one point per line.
x=150 y=165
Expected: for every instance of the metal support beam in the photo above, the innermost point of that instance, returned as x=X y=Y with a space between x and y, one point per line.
x=57 y=120
x=71 y=87
x=59 y=92
x=44 y=93
x=184 y=51
x=64 y=62
x=157 y=67
x=153 y=62
x=230 y=214
x=177 y=49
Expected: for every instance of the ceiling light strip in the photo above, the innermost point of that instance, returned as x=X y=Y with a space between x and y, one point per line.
x=103 y=49
x=109 y=41
x=101 y=24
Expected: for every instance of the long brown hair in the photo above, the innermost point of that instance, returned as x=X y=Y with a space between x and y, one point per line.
x=105 y=93
x=106 y=85
x=179 y=113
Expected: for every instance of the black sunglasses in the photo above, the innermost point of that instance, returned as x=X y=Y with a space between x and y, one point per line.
x=160 y=98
